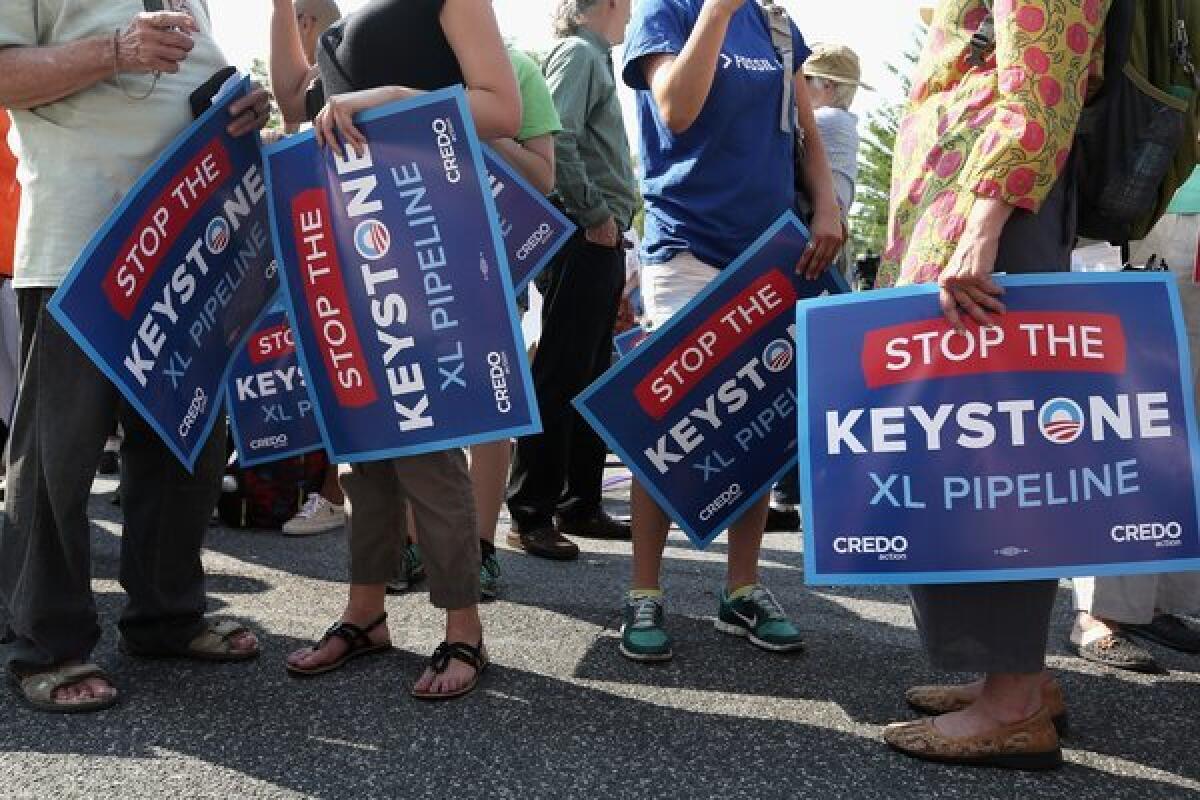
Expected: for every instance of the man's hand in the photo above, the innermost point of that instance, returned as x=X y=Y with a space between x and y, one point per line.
x=826 y=237
x=156 y=42
x=605 y=234
x=250 y=113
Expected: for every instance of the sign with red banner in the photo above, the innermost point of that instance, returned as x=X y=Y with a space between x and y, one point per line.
x=703 y=412
x=165 y=294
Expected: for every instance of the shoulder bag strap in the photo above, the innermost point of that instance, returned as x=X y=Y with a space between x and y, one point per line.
x=781 y=39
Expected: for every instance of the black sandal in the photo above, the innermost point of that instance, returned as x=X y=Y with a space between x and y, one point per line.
x=357 y=644
x=474 y=657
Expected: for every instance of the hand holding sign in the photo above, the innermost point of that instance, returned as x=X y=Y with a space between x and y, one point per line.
x=1025 y=450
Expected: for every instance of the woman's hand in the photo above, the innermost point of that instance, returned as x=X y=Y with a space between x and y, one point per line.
x=826 y=237
x=335 y=122
x=966 y=284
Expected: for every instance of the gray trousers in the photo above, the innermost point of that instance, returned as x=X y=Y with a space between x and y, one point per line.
x=1002 y=627
x=65 y=411
x=437 y=487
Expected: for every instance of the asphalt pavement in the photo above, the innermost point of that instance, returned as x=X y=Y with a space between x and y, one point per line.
x=561 y=714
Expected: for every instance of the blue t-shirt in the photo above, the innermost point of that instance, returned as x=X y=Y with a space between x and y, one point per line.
x=716 y=187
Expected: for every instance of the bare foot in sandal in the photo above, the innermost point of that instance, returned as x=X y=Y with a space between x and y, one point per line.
x=67 y=688
x=450 y=675
x=343 y=641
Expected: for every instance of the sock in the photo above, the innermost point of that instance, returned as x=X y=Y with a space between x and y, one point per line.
x=643 y=594
x=742 y=591
x=486 y=548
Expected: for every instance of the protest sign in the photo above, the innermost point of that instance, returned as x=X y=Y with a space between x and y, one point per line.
x=533 y=229
x=166 y=291
x=703 y=412
x=1059 y=442
x=270 y=410
x=627 y=341
x=398 y=285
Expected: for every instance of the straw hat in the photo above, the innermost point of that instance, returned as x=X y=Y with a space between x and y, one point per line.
x=834 y=62
x=926 y=14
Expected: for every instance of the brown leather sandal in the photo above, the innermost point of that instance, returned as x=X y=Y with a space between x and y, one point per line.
x=474 y=657
x=358 y=644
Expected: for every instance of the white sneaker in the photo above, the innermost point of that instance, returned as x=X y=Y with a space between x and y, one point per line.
x=317 y=516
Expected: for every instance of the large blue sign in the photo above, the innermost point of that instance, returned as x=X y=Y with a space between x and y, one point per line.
x=533 y=229
x=167 y=290
x=1059 y=442
x=704 y=411
x=399 y=286
x=272 y=415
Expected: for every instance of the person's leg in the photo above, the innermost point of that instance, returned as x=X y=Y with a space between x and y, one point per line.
x=376 y=533
x=998 y=629
x=166 y=511
x=1104 y=608
x=748 y=608
x=45 y=540
x=580 y=506
x=489 y=475
x=574 y=320
x=643 y=632
x=438 y=487
x=667 y=288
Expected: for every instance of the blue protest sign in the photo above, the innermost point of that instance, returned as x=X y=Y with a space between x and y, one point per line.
x=625 y=342
x=1059 y=442
x=703 y=412
x=166 y=291
x=533 y=229
x=270 y=410
x=398 y=285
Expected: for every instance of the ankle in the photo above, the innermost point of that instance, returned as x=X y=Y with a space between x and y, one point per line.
x=464 y=625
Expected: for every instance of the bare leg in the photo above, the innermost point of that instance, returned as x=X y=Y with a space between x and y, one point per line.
x=489 y=476
x=650 y=528
x=745 y=541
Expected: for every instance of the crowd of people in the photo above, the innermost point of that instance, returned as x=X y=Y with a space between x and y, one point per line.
x=725 y=145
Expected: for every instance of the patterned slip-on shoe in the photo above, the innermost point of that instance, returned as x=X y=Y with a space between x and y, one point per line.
x=1030 y=744
x=1118 y=651
x=1169 y=631
x=937 y=699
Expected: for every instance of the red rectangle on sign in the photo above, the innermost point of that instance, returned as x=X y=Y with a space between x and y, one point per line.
x=325 y=293
x=1021 y=341
x=271 y=343
x=714 y=340
x=160 y=227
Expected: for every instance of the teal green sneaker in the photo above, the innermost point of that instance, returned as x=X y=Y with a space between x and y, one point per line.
x=410 y=571
x=643 y=637
x=489 y=577
x=760 y=618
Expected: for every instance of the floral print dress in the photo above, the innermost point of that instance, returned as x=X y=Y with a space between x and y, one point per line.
x=1003 y=130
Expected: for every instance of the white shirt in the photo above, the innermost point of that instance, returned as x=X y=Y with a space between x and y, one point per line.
x=79 y=156
x=839 y=133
